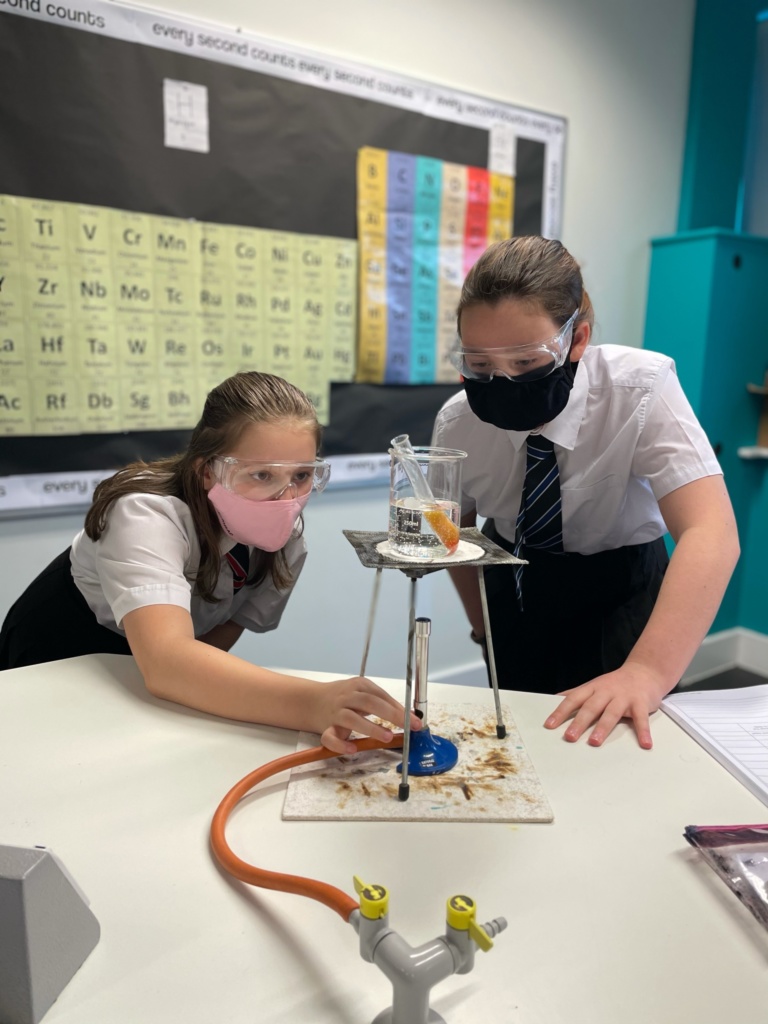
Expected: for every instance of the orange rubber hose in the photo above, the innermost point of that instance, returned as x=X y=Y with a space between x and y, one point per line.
x=320 y=891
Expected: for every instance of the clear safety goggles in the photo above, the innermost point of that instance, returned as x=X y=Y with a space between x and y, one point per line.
x=270 y=481
x=519 y=363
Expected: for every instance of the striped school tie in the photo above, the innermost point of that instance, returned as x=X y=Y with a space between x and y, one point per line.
x=540 y=519
x=239 y=559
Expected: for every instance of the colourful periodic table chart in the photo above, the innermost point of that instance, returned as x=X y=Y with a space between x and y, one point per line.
x=422 y=223
x=112 y=320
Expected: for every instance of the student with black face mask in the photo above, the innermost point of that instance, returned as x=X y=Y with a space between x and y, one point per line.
x=581 y=459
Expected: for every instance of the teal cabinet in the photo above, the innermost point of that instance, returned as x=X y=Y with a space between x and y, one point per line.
x=708 y=310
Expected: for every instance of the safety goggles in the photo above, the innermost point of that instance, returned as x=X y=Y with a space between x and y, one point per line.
x=519 y=363
x=270 y=481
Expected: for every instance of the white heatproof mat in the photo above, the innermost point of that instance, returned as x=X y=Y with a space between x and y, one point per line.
x=494 y=780
x=465 y=552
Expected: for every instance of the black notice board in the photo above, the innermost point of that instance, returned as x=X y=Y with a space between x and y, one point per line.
x=81 y=120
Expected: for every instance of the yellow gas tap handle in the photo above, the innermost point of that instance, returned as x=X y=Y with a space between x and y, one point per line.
x=481 y=936
x=374 y=899
x=460 y=915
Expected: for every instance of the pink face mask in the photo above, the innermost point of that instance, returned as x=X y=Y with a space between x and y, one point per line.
x=267 y=525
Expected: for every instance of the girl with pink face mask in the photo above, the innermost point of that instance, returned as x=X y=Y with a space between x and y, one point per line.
x=180 y=555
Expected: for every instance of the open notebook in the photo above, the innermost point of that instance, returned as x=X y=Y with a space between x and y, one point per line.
x=732 y=725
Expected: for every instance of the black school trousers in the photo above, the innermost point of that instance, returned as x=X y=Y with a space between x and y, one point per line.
x=581 y=616
x=52 y=620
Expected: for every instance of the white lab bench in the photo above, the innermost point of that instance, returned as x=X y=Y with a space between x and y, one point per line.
x=611 y=916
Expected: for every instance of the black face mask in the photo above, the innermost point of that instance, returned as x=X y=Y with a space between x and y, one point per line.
x=522 y=406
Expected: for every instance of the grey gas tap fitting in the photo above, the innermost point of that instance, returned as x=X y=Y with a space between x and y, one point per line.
x=415 y=970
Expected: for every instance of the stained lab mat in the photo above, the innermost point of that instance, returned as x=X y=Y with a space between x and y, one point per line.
x=494 y=780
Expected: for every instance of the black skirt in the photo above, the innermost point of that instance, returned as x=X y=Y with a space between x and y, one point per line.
x=582 y=614
x=52 y=620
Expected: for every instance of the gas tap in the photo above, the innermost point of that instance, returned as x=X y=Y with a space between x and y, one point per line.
x=414 y=970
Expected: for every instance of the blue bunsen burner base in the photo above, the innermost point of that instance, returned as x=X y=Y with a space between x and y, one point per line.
x=430 y=755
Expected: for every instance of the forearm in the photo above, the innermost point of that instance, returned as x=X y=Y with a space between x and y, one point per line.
x=223 y=636
x=700 y=518
x=203 y=677
x=690 y=595
x=177 y=667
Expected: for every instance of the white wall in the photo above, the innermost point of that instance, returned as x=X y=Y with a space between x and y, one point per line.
x=618 y=71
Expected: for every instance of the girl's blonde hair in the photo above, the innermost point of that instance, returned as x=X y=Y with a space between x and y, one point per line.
x=536 y=270
x=231 y=407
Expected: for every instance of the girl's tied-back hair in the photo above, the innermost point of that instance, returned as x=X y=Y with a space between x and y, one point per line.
x=539 y=271
x=230 y=408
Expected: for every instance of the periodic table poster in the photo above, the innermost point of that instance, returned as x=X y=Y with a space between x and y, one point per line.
x=422 y=223
x=210 y=143
x=119 y=321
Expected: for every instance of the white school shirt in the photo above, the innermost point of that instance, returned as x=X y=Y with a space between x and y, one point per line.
x=626 y=438
x=146 y=556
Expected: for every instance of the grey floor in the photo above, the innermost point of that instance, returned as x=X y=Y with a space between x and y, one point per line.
x=725 y=680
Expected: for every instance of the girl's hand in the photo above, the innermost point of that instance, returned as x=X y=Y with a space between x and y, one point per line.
x=632 y=691
x=344 y=706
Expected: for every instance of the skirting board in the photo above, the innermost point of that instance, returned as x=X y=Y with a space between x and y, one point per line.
x=730 y=648
x=719 y=652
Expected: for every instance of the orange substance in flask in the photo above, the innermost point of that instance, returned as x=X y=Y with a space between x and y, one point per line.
x=443 y=527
